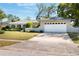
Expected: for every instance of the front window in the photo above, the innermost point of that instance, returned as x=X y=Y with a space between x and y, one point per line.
x=18 y=26
x=12 y=26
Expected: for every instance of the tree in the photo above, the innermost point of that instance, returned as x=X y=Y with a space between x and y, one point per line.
x=69 y=10
x=29 y=25
x=41 y=8
x=2 y=15
x=50 y=9
x=45 y=10
x=28 y=18
x=12 y=18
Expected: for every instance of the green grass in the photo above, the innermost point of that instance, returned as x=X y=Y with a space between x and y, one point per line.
x=17 y=35
x=74 y=37
x=6 y=43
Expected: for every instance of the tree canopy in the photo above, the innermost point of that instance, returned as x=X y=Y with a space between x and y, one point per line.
x=45 y=10
x=12 y=18
x=2 y=14
x=69 y=10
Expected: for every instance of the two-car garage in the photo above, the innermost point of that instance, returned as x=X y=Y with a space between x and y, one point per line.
x=55 y=27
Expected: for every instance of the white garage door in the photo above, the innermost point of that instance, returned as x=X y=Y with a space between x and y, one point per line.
x=55 y=28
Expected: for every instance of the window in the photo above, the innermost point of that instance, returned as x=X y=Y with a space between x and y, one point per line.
x=45 y=23
x=18 y=26
x=12 y=26
x=58 y=23
x=55 y=23
x=61 y=23
x=24 y=26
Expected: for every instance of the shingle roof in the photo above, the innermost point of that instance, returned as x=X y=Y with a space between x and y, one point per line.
x=22 y=22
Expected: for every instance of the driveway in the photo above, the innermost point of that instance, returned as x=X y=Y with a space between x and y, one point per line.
x=43 y=45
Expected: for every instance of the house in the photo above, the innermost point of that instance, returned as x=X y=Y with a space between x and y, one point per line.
x=54 y=25
x=21 y=23
x=48 y=25
x=4 y=22
x=57 y=25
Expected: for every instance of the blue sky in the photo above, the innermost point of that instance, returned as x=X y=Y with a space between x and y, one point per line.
x=21 y=10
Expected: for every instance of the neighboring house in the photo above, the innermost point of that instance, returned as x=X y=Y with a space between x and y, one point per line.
x=4 y=22
x=20 y=23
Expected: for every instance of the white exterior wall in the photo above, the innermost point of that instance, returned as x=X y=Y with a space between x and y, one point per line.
x=72 y=29
x=33 y=29
x=55 y=28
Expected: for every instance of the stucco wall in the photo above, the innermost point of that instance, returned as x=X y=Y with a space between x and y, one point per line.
x=42 y=22
x=72 y=29
x=33 y=29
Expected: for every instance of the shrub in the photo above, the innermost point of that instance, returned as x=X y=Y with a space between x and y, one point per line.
x=29 y=25
x=5 y=28
x=35 y=25
x=15 y=29
x=18 y=29
x=76 y=24
x=41 y=31
x=1 y=31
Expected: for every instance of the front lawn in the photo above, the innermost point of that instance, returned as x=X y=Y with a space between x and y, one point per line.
x=17 y=35
x=74 y=37
x=6 y=43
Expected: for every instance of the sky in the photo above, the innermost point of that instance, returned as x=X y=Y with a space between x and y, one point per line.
x=19 y=9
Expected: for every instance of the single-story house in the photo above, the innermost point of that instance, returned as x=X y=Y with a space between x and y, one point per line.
x=50 y=25
x=55 y=25
x=21 y=23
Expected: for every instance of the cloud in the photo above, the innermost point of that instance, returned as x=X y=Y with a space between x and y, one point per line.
x=27 y=6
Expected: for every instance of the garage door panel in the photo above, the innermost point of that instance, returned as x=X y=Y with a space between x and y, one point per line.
x=55 y=28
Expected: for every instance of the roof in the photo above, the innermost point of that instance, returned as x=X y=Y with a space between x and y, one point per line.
x=22 y=22
x=56 y=18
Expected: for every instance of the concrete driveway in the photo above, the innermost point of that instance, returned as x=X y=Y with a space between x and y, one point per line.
x=43 y=44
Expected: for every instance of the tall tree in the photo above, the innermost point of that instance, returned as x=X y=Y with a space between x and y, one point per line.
x=69 y=10
x=41 y=8
x=12 y=18
x=50 y=9
x=28 y=18
x=45 y=10
x=2 y=15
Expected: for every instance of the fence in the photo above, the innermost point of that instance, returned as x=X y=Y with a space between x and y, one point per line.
x=72 y=29
x=33 y=29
